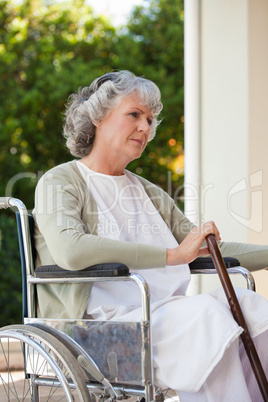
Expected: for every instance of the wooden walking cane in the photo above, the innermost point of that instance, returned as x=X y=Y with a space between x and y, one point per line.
x=238 y=315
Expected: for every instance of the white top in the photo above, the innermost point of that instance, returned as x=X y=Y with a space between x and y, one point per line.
x=126 y=213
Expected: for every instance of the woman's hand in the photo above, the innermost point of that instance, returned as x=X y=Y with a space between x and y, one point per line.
x=191 y=246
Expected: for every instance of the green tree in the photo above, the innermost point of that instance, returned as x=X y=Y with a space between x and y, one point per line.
x=10 y=283
x=46 y=53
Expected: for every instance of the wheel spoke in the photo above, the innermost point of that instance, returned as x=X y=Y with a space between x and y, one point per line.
x=47 y=362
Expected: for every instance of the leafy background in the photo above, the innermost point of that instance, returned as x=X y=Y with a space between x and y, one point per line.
x=49 y=50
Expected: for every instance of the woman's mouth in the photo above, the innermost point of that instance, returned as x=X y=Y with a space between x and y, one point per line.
x=137 y=141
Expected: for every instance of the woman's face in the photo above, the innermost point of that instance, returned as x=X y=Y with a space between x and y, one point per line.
x=125 y=132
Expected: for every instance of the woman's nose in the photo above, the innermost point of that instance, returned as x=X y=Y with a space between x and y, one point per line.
x=144 y=125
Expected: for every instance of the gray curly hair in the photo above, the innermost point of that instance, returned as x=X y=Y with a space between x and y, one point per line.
x=94 y=103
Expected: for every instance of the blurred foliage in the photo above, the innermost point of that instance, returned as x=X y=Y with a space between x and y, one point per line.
x=10 y=283
x=47 y=51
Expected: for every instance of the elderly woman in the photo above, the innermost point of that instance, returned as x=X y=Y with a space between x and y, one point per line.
x=92 y=210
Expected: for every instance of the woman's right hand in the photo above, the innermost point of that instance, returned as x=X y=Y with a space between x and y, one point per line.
x=191 y=246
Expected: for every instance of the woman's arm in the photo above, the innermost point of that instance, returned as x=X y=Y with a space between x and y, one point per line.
x=251 y=256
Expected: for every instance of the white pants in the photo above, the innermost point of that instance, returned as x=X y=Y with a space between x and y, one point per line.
x=196 y=343
x=232 y=379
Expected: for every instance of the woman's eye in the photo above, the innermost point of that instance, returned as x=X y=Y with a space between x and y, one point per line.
x=136 y=115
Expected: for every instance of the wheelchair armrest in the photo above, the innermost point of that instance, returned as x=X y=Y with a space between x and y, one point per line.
x=99 y=270
x=117 y=269
x=207 y=263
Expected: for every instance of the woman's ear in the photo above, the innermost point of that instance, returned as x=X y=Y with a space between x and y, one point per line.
x=97 y=124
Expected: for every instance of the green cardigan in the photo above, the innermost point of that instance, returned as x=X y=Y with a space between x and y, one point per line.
x=66 y=234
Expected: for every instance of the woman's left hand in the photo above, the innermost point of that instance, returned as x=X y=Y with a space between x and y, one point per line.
x=191 y=246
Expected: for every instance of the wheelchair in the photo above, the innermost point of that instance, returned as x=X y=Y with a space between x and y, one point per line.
x=80 y=360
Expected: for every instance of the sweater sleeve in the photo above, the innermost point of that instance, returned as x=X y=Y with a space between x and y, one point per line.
x=251 y=256
x=180 y=224
x=63 y=237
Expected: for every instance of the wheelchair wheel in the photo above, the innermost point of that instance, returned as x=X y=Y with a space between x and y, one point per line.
x=50 y=372
x=74 y=348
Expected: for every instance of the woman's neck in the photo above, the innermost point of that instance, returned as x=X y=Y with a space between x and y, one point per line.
x=103 y=165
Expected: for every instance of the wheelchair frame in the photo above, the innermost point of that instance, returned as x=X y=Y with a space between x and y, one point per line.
x=30 y=334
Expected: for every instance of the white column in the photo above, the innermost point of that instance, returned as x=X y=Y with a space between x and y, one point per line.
x=234 y=120
x=192 y=125
x=192 y=132
x=225 y=110
x=258 y=131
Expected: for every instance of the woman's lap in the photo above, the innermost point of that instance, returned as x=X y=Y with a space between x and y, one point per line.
x=191 y=334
